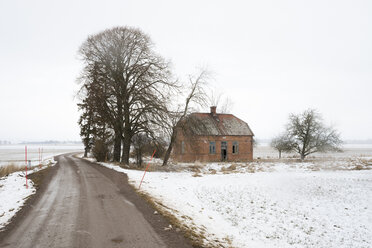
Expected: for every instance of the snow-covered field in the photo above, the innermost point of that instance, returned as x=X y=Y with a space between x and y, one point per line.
x=323 y=203
x=15 y=154
x=264 y=151
x=13 y=192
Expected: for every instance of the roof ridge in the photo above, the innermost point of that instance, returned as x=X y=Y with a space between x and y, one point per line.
x=208 y=113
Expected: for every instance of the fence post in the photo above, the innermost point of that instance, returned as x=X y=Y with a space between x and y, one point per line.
x=26 y=165
x=146 y=169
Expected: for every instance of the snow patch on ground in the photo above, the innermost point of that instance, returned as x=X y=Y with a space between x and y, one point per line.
x=284 y=205
x=13 y=192
x=288 y=165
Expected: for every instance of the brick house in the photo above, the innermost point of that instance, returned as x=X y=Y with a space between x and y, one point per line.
x=209 y=137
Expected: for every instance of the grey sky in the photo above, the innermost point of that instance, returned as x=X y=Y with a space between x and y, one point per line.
x=271 y=58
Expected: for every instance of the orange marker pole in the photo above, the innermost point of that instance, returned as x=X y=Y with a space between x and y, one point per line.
x=148 y=165
x=26 y=165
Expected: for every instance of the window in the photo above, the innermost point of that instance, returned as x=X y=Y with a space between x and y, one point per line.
x=212 y=147
x=183 y=147
x=235 y=147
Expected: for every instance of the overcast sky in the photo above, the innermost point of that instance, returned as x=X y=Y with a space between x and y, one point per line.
x=272 y=58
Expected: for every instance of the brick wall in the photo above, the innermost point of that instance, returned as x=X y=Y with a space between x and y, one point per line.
x=196 y=148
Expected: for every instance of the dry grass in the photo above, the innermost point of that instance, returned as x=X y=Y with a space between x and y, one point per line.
x=251 y=168
x=10 y=168
x=228 y=170
x=283 y=160
x=196 y=168
x=359 y=167
x=361 y=164
x=152 y=167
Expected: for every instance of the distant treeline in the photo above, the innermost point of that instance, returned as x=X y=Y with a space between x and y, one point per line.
x=366 y=141
x=50 y=142
x=355 y=141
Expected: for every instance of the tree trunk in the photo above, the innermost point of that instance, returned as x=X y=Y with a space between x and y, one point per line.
x=170 y=147
x=86 y=152
x=303 y=148
x=127 y=131
x=126 y=150
x=140 y=157
x=117 y=146
x=280 y=154
x=137 y=157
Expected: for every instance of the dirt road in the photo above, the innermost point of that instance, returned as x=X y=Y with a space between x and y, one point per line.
x=86 y=205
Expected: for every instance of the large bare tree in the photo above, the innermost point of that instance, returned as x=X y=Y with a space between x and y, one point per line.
x=309 y=134
x=134 y=82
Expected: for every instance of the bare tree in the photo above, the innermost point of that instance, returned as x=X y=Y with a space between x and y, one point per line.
x=196 y=96
x=227 y=105
x=310 y=135
x=282 y=143
x=214 y=98
x=224 y=104
x=133 y=79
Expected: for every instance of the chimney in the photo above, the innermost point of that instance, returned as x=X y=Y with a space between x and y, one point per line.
x=213 y=110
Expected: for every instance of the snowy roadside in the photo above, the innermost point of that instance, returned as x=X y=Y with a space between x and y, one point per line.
x=13 y=192
x=281 y=207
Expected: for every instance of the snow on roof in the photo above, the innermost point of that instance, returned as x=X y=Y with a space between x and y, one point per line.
x=218 y=124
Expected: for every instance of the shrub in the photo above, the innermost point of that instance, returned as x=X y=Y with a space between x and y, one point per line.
x=100 y=151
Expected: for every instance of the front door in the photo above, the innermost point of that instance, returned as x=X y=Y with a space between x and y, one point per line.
x=223 y=150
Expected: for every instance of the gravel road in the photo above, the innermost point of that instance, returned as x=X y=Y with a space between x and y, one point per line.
x=86 y=205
